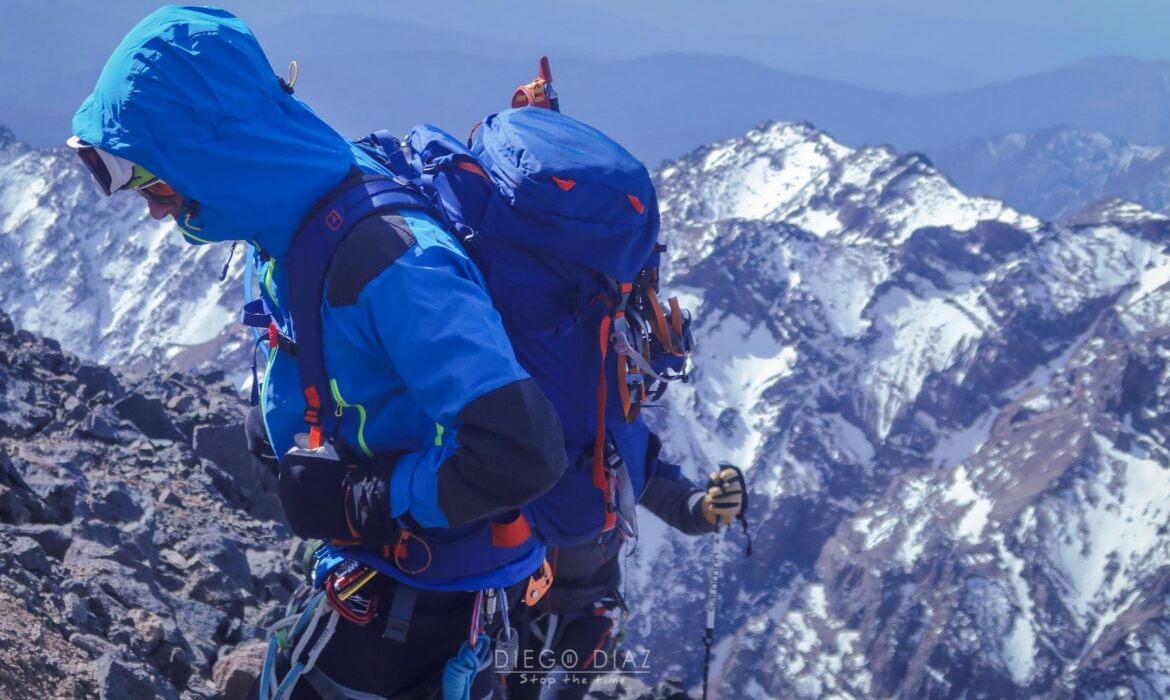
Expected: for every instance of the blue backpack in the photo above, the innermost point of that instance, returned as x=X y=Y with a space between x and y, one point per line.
x=563 y=223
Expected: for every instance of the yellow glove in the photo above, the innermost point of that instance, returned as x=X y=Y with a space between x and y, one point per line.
x=724 y=498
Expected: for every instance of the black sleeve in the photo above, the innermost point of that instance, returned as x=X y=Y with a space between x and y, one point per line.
x=678 y=503
x=511 y=450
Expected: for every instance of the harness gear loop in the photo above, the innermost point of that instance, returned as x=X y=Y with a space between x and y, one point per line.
x=304 y=625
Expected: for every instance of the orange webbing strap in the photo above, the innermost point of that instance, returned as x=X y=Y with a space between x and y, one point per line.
x=313 y=418
x=471 y=168
x=676 y=319
x=538 y=585
x=630 y=408
x=600 y=476
x=511 y=534
x=660 y=330
x=623 y=371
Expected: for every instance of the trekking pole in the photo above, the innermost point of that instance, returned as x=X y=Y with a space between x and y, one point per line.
x=717 y=571
x=712 y=599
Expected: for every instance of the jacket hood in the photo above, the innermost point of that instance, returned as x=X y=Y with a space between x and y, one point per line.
x=189 y=95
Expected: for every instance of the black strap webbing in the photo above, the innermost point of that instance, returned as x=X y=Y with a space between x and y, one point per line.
x=401 y=610
x=330 y=689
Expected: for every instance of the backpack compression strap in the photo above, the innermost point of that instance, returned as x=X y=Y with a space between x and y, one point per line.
x=604 y=477
x=326 y=225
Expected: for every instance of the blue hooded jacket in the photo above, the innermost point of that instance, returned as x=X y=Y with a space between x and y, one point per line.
x=419 y=364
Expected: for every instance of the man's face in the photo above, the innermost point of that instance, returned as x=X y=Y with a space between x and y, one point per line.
x=162 y=200
x=113 y=174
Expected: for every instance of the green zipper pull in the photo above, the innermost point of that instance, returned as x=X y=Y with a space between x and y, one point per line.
x=340 y=402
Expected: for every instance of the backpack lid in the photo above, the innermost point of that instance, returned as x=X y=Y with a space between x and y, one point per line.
x=575 y=192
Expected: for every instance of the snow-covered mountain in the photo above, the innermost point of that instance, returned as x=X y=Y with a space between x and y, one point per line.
x=1059 y=171
x=951 y=412
x=115 y=286
x=953 y=415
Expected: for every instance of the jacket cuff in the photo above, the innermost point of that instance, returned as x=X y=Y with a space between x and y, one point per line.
x=414 y=491
x=695 y=506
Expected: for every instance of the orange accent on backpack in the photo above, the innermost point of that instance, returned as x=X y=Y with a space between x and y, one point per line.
x=564 y=183
x=471 y=168
x=511 y=534
x=313 y=418
x=638 y=206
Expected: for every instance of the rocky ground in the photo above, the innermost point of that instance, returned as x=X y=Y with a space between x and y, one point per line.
x=138 y=541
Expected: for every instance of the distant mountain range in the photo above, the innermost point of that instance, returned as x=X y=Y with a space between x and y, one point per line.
x=1059 y=171
x=661 y=104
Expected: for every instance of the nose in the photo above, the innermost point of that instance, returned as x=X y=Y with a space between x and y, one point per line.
x=161 y=210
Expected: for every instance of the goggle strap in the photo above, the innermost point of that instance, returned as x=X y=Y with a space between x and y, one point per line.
x=109 y=171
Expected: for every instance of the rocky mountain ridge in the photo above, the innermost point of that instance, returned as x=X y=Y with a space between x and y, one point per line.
x=860 y=320
x=139 y=542
x=104 y=278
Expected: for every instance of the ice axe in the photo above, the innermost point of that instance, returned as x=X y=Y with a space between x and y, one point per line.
x=538 y=93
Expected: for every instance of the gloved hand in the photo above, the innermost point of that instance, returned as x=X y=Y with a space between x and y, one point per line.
x=325 y=498
x=724 y=498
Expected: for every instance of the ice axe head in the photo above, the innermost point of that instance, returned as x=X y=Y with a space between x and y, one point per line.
x=538 y=93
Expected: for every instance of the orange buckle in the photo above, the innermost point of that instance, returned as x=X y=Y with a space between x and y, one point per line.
x=316 y=437
x=538 y=585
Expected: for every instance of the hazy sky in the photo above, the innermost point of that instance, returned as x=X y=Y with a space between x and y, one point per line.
x=52 y=50
x=912 y=45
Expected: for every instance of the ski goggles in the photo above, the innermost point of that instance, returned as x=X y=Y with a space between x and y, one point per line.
x=158 y=191
x=113 y=173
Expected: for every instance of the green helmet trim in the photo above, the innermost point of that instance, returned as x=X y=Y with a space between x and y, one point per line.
x=140 y=177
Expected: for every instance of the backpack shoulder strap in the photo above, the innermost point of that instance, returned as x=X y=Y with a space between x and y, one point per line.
x=323 y=229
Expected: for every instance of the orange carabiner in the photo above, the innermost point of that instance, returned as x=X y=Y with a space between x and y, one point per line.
x=538 y=585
